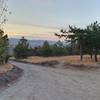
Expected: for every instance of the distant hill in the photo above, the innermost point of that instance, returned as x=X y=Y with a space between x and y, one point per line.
x=13 y=42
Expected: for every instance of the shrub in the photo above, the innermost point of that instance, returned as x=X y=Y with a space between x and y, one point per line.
x=21 y=50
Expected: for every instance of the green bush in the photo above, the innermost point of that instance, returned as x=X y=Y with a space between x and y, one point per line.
x=3 y=47
x=58 y=51
x=21 y=50
x=46 y=49
x=51 y=50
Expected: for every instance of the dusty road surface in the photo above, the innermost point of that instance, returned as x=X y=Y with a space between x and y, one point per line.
x=41 y=83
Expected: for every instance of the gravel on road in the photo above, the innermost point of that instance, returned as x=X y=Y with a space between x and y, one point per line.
x=41 y=83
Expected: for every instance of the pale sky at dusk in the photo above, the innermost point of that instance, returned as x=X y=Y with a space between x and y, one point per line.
x=39 y=19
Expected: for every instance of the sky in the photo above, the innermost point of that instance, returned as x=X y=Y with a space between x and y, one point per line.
x=40 y=19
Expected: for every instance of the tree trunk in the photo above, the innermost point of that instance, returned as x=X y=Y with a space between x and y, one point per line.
x=95 y=55
x=81 y=53
x=91 y=56
x=96 y=60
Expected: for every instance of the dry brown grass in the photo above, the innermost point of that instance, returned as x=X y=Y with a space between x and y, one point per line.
x=69 y=62
x=72 y=62
x=68 y=59
x=5 y=68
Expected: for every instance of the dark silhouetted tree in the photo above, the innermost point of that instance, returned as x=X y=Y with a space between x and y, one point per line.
x=21 y=50
x=46 y=49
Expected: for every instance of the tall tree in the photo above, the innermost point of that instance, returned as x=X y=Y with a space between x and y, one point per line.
x=3 y=37
x=88 y=39
x=3 y=46
x=79 y=36
x=93 y=32
x=21 y=50
x=74 y=34
x=46 y=49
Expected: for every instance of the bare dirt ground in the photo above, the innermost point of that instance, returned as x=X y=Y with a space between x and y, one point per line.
x=9 y=74
x=41 y=83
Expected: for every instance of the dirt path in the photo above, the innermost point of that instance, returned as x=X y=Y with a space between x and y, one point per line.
x=40 y=83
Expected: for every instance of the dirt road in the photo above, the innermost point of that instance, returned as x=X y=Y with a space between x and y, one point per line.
x=41 y=83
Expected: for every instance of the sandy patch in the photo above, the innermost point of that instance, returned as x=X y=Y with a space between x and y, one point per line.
x=5 y=68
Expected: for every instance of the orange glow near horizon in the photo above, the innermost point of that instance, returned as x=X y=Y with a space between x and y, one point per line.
x=31 y=32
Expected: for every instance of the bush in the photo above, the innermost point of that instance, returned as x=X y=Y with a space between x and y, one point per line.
x=3 y=46
x=21 y=50
x=46 y=49
x=51 y=50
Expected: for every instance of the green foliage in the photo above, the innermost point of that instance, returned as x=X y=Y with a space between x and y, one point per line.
x=21 y=50
x=46 y=49
x=3 y=38
x=52 y=50
x=88 y=39
x=93 y=38
x=3 y=46
x=58 y=50
x=49 y=50
x=2 y=50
